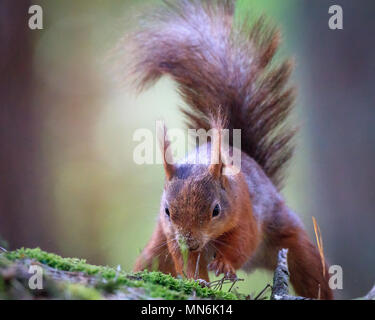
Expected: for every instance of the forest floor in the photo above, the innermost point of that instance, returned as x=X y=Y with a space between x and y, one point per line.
x=36 y=274
x=72 y=278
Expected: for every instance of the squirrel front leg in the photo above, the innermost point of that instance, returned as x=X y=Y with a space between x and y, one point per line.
x=156 y=254
x=233 y=249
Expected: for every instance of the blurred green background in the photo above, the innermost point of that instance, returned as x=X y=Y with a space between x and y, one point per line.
x=69 y=183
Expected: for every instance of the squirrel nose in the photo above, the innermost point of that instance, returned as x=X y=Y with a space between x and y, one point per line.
x=192 y=243
x=194 y=247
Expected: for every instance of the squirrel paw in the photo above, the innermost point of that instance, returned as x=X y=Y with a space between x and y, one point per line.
x=220 y=265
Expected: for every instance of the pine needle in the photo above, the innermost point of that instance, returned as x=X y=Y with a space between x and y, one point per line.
x=319 y=241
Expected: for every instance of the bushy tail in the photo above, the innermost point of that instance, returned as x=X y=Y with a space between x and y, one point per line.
x=220 y=64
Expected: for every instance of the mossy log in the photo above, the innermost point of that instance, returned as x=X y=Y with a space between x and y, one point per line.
x=72 y=278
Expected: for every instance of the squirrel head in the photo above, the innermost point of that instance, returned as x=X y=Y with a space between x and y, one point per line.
x=196 y=206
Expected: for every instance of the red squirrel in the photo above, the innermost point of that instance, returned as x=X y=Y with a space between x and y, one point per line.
x=228 y=222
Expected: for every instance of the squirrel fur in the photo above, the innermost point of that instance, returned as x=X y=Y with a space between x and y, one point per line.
x=223 y=71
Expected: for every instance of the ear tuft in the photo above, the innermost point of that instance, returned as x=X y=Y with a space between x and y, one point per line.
x=165 y=149
x=217 y=124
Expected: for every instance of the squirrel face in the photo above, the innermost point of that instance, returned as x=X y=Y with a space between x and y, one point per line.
x=195 y=209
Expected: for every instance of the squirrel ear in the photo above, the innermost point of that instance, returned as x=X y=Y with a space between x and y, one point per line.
x=216 y=165
x=164 y=145
x=216 y=170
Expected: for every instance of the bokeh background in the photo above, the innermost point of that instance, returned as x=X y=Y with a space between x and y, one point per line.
x=68 y=183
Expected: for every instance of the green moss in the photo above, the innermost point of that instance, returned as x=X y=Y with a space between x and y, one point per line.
x=57 y=262
x=78 y=291
x=183 y=287
x=154 y=284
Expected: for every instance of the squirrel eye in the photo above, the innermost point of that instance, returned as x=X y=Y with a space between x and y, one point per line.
x=167 y=212
x=216 y=211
